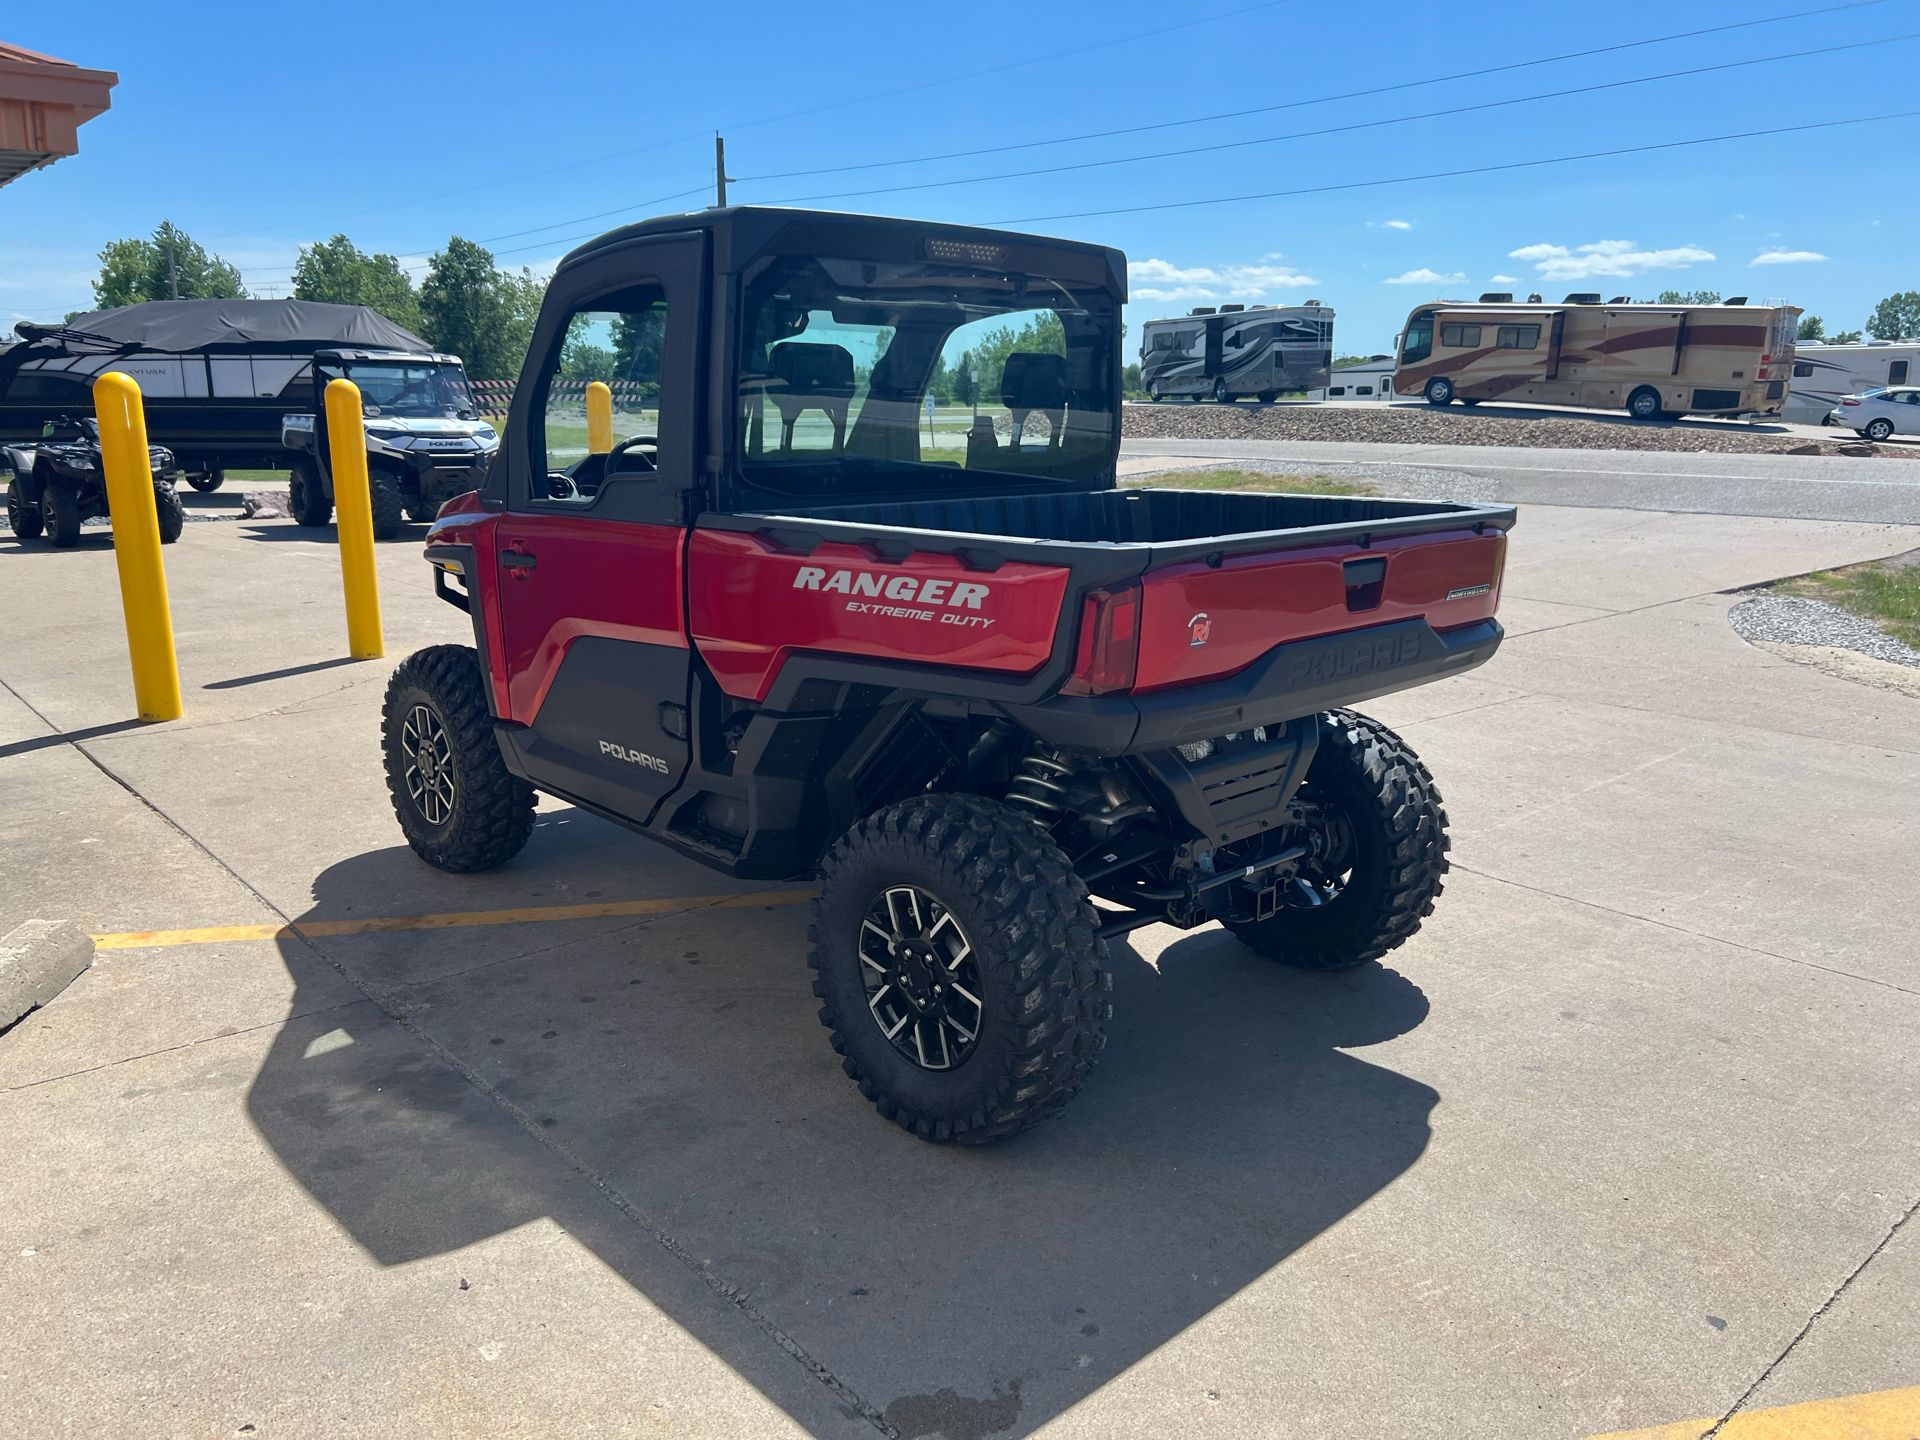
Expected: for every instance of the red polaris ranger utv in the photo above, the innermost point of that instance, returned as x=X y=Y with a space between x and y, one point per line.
x=799 y=623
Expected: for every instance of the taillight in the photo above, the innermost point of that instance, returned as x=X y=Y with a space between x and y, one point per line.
x=1109 y=650
x=1849 y=402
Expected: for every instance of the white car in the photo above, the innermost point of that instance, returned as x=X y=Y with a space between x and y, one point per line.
x=1878 y=414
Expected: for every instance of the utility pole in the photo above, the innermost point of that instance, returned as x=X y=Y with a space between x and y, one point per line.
x=173 y=268
x=719 y=170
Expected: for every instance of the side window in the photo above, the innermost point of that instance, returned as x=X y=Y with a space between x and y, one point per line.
x=1518 y=337
x=1363 y=389
x=1897 y=372
x=1418 y=343
x=1337 y=390
x=1802 y=370
x=1460 y=337
x=617 y=340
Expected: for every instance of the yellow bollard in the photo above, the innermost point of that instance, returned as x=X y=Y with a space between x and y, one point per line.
x=599 y=418
x=353 y=511
x=136 y=546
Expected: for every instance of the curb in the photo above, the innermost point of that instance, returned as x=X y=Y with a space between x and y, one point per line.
x=39 y=959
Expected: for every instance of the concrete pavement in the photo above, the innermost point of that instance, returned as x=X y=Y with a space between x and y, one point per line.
x=1622 y=1137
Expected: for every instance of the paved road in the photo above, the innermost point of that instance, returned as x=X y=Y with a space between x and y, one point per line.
x=1782 y=486
x=1623 y=1136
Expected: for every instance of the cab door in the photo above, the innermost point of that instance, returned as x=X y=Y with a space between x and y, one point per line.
x=592 y=548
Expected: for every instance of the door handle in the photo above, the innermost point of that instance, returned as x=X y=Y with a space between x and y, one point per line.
x=518 y=559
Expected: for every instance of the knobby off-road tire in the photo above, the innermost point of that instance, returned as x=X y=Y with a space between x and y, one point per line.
x=389 y=510
x=462 y=810
x=60 y=511
x=169 y=511
x=23 y=514
x=307 y=498
x=1034 y=944
x=1398 y=837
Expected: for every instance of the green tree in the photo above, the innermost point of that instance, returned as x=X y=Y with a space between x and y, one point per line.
x=1131 y=382
x=583 y=360
x=1812 y=329
x=170 y=265
x=1044 y=332
x=1844 y=337
x=472 y=309
x=1897 y=317
x=961 y=384
x=339 y=272
x=1688 y=297
x=940 y=381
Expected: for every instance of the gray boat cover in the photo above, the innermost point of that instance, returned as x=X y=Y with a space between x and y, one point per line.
x=299 y=326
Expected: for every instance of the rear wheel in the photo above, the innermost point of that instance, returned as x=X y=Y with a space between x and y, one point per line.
x=1381 y=834
x=60 y=508
x=23 y=514
x=1267 y=397
x=1153 y=392
x=306 y=497
x=458 y=805
x=207 y=481
x=1881 y=429
x=960 y=968
x=169 y=511
x=1644 y=403
x=1439 y=391
x=1221 y=395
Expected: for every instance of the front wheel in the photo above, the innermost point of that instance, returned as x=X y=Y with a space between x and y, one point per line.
x=1644 y=404
x=458 y=805
x=171 y=514
x=207 y=481
x=1221 y=395
x=1380 y=837
x=60 y=505
x=1439 y=391
x=960 y=968
x=389 y=507
x=1153 y=392
x=23 y=514
x=1881 y=429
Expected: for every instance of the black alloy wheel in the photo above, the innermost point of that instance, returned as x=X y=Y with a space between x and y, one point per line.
x=427 y=765
x=922 y=977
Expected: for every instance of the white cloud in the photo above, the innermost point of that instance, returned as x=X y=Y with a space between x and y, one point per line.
x=1605 y=257
x=1503 y=279
x=1163 y=280
x=1786 y=257
x=1424 y=276
x=1389 y=224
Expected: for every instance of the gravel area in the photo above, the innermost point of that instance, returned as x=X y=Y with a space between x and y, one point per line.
x=1793 y=620
x=1459 y=425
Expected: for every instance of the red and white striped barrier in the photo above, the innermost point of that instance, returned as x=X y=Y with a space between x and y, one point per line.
x=496 y=396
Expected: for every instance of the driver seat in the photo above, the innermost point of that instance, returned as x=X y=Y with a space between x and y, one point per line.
x=1035 y=380
x=810 y=377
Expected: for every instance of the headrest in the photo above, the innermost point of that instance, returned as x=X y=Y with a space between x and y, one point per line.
x=812 y=369
x=1034 y=380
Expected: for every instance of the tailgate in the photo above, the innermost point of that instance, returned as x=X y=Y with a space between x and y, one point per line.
x=1205 y=618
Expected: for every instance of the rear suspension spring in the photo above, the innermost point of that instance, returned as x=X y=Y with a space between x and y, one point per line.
x=1037 y=786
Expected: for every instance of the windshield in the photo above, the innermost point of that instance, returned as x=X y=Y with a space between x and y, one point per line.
x=415 y=391
x=861 y=377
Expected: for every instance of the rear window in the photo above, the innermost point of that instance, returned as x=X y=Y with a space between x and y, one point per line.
x=860 y=377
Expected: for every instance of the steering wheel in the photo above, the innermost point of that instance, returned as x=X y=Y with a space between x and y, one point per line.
x=615 y=455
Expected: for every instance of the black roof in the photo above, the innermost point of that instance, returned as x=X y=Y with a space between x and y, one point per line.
x=299 y=326
x=743 y=232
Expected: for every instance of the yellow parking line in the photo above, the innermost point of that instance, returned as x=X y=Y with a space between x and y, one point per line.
x=1879 y=1415
x=374 y=924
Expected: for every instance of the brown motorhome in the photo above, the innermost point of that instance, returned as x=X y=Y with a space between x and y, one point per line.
x=1653 y=361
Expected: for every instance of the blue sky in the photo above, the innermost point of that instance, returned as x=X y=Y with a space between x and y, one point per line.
x=259 y=127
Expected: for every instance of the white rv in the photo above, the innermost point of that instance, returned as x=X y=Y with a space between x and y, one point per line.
x=1237 y=351
x=1823 y=373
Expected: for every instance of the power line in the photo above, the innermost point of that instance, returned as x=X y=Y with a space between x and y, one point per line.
x=1317 y=100
x=1339 y=129
x=918 y=85
x=1453 y=174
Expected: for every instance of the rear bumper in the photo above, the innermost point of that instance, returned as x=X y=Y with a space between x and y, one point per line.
x=1291 y=680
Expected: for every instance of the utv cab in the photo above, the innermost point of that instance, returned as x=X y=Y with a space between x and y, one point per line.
x=799 y=622
x=426 y=441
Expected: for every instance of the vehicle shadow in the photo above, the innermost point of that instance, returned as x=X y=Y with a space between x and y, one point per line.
x=272 y=530
x=666 y=1096
x=1493 y=409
